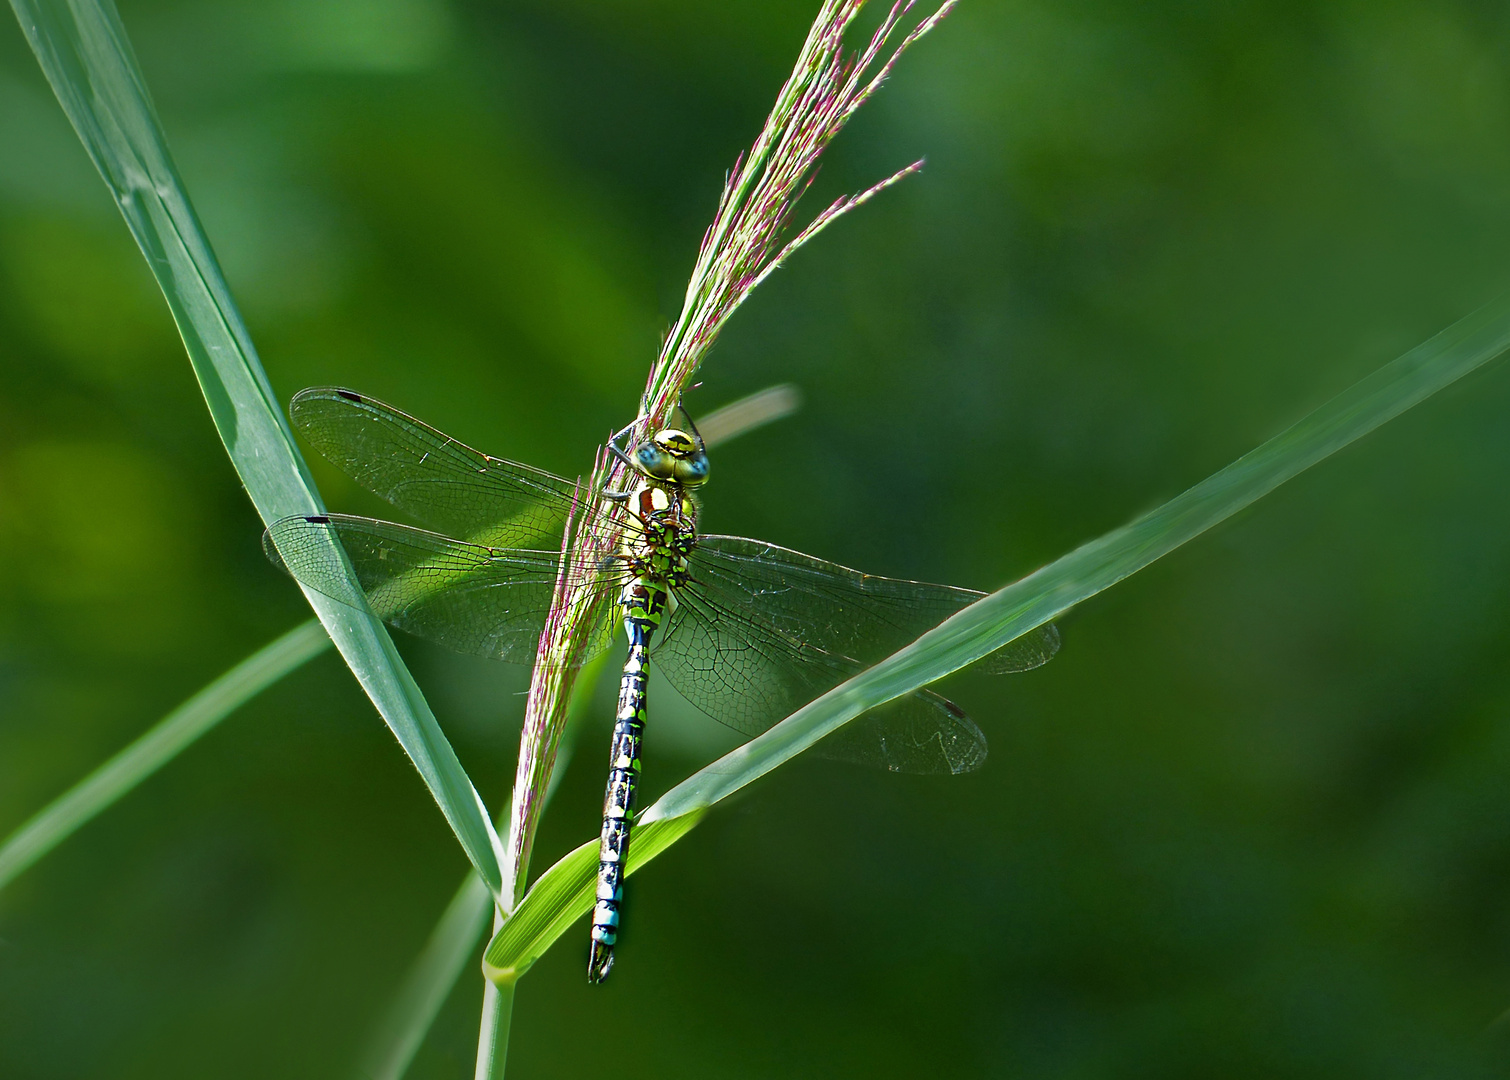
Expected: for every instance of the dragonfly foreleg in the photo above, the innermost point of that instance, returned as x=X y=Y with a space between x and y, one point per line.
x=618 y=451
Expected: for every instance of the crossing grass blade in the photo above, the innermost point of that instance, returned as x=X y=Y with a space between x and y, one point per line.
x=564 y=892
x=85 y=54
x=55 y=822
x=749 y=413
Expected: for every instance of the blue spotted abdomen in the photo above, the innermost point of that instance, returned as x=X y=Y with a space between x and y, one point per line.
x=645 y=602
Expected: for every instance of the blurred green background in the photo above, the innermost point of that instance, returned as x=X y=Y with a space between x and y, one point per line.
x=1253 y=821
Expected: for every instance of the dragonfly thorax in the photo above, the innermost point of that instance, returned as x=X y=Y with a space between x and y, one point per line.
x=664 y=533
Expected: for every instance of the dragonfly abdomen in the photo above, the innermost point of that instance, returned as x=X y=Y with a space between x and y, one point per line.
x=645 y=602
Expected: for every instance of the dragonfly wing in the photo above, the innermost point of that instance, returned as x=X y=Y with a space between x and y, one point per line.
x=761 y=630
x=842 y=611
x=475 y=599
x=441 y=482
x=737 y=668
x=749 y=674
x=920 y=733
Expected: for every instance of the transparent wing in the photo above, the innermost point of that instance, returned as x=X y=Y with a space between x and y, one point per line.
x=921 y=733
x=485 y=601
x=762 y=630
x=441 y=482
x=743 y=671
x=839 y=610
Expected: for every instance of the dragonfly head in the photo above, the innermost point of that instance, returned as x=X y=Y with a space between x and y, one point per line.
x=674 y=455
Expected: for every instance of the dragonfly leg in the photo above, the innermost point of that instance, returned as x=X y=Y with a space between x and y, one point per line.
x=690 y=425
x=613 y=448
x=617 y=451
x=625 y=430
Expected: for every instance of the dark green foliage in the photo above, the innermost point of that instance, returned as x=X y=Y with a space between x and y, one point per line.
x=1251 y=821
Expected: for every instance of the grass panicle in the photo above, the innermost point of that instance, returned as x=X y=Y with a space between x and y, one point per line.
x=743 y=245
x=557 y=659
x=740 y=248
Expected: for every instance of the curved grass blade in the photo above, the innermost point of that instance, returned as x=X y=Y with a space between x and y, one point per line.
x=748 y=413
x=62 y=817
x=564 y=893
x=88 y=60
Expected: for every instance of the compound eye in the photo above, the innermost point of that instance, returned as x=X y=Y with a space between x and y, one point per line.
x=693 y=471
x=655 y=462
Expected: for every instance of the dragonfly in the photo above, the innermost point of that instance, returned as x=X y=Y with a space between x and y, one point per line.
x=745 y=630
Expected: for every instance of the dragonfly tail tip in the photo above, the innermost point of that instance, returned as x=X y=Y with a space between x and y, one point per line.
x=599 y=962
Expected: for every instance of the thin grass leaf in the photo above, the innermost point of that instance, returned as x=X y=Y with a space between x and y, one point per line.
x=88 y=60
x=66 y=814
x=429 y=983
x=564 y=893
x=748 y=413
x=453 y=942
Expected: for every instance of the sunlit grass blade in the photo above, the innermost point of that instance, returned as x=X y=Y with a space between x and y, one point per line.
x=88 y=60
x=62 y=817
x=564 y=893
x=748 y=413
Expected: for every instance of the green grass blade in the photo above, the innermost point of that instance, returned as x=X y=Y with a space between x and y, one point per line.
x=564 y=893
x=87 y=58
x=429 y=983
x=749 y=413
x=1038 y=598
x=62 y=817
x=434 y=972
